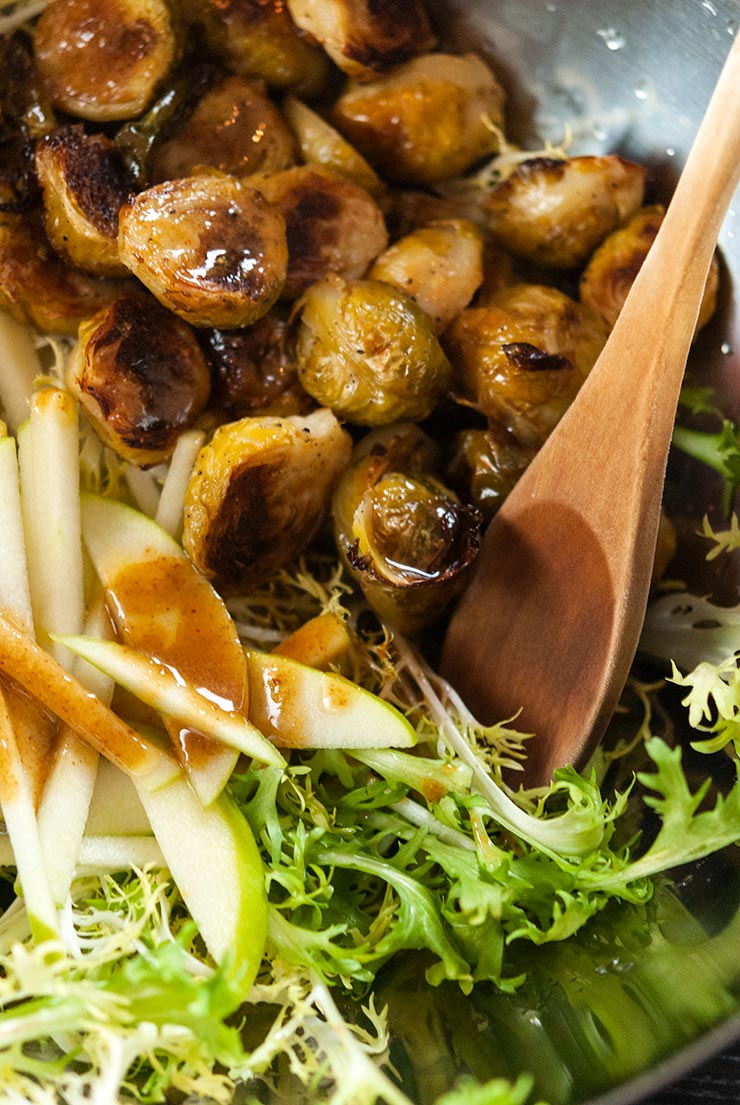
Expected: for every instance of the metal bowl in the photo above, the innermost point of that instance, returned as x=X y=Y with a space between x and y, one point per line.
x=611 y=1018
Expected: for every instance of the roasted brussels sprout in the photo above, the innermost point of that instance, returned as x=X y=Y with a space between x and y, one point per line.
x=84 y=185
x=209 y=248
x=24 y=116
x=368 y=352
x=321 y=144
x=104 y=59
x=257 y=38
x=407 y=539
x=333 y=225
x=609 y=275
x=254 y=370
x=439 y=266
x=508 y=368
x=428 y=120
x=259 y=493
x=37 y=287
x=364 y=36
x=140 y=376
x=563 y=326
x=487 y=464
x=556 y=211
x=234 y=128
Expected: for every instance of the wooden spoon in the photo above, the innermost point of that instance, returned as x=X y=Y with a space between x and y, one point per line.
x=551 y=620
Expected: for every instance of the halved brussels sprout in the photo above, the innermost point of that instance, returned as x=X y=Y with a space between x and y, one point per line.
x=257 y=38
x=208 y=247
x=364 y=36
x=408 y=540
x=254 y=370
x=439 y=266
x=234 y=128
x=84 y=184
x=332 y=224
x=488 y=464
x=259 y=493
x=321 y=144
x=104 y=59
x=140 y=376
x=512 y=371
x=556 y=211
x=428 y=120
x=37 y=287
x=369 y=352
x=611 y=272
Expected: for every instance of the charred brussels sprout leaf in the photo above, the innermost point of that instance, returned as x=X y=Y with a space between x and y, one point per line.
x=408 y=540
x=369 y=352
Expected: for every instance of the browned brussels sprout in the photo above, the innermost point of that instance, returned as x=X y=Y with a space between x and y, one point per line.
x=259 y=494
x=407 y=539
x=254 y=370
x=104 y=59
x=84 y=185
x=439 y=266
x=25 y=116
x=611 y=272
x=428 y=120
x=368 y=352
x=209 y=248
x=321 y=144
x=37 y=287
x=234 y=128
x=512 y=371
x=140 y=376
x=487 y=464
x=332 y=224
x=556 y=211
x=257 y=38
x=365 y=36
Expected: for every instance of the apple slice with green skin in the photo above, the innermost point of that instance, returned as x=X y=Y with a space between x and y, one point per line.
x=301 y=707
x=165 y=608
x=210 y=853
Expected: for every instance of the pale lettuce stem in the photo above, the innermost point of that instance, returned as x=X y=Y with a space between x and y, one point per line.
x=144 y=489
x=170 y=510
x=19 y=361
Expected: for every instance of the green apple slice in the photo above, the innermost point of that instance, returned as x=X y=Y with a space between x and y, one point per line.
x=300 y=707
x=165 y=608
x=156 y=684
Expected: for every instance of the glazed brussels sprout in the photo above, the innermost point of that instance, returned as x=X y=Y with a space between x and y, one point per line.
x=37 y=287
x=234 y=128
x=508 y=369
x=563 y=326
x=555 y=212
x=439 y=266
x=487 y=465
x=140 y=376
x=428 y=120
x=408 y=540
x=332 y=225
x=259 y=493
x=254 y=370
x=368 y=352
x=104 y=59
x=321 y=144
x=257 y=38
x=209 y=248
x=609 y=275
x=364 y=36
x=25 y=115
x=84 y=185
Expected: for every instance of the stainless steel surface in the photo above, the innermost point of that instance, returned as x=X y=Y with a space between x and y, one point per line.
x=632 y=76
